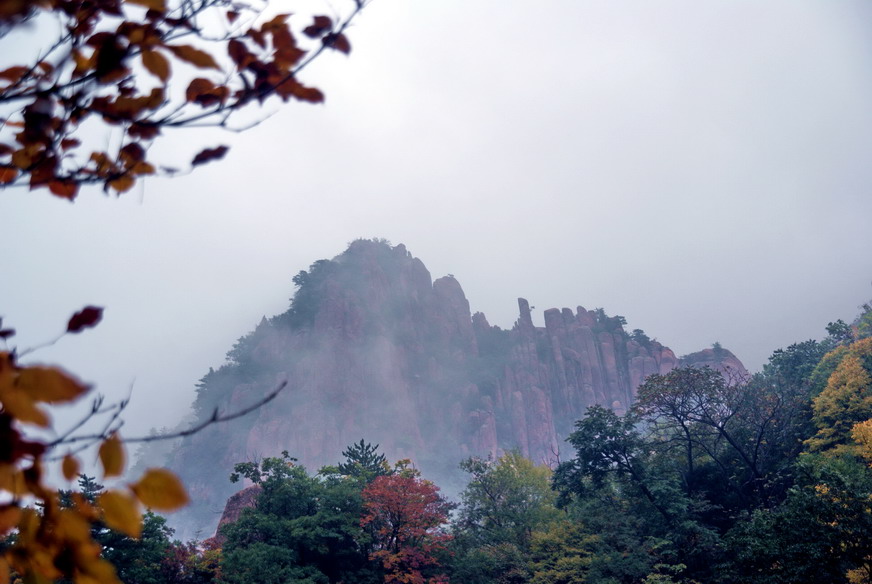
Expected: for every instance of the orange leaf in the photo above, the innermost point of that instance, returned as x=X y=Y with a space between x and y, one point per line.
x=12 y=480
x=21 y=406
x=8 y=174
x=141 y=168
x=194 y=56
x=157 y=64
x=239 y=53
x=122 y=184
x=159 y=5
x=13 y=74
x=9 y=516
x=293 y=88
x=160 y=489
x=205 y=92
x=112 y=456
x=83 y=63
x=65 y=189
x=121 y=512
x=4 y=571
x=50 y=384
x=70 y=467
x=71 y=526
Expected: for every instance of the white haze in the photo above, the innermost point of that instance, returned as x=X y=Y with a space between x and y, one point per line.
x=702 y=168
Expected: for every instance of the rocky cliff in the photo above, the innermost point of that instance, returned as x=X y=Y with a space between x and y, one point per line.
x=373 y=348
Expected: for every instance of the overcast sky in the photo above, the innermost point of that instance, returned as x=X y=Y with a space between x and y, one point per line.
x=702 y=168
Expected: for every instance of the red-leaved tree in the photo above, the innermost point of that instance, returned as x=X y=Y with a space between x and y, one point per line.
x=405 y=514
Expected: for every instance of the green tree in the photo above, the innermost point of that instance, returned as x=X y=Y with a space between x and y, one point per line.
x=506 y=500
x=821 y=533
x=362 y=460
x=631 y=499
x=562 y=554
x=137 y=560
x=727 y=438
x=303 y=528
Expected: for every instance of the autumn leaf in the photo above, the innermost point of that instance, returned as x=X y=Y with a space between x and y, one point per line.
x=122 y=184
x=68 y=143
x=132 y=152
x=338 y=42
x=70 y=467
x=160 y=489
x=9 y=516
x=293 y=88
x=88 y=317
x=194 y=56
x=319 y=26
x=50 y=384
x=112 y=456
x=21 y=406
x=239 y=53
x=121 y=512
x=12 y=480
x=141 y=168
x=65 y=189
x=157 y=64
x=159 y=5
x=13 y=74
x=209 y=154
x=8 y=174
x=71 y=526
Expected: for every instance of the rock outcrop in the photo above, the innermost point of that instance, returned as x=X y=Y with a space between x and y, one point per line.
x=373 y=348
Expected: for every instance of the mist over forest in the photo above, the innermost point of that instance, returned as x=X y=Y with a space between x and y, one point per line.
x=434 y=293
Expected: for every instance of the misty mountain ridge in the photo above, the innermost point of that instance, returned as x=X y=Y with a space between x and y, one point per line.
x=372 y=347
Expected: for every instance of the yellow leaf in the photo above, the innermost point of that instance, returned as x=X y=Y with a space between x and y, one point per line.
x=50 y=384
x=94 y=570
x=156 y=63
x=194 y=56
x=70 y=526
x=21 y=406
x=70 y=467
x=112 y=456
x=121 y=512
x=161 y=490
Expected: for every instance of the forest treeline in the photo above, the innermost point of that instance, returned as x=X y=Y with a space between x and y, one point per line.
x=707 y=479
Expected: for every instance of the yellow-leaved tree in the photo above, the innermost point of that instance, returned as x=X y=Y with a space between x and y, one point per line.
x=845 y=402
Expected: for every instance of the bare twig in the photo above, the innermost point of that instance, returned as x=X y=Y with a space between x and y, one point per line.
x=85 y=441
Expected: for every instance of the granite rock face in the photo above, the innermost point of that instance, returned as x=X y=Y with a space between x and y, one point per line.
x=373 y=348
